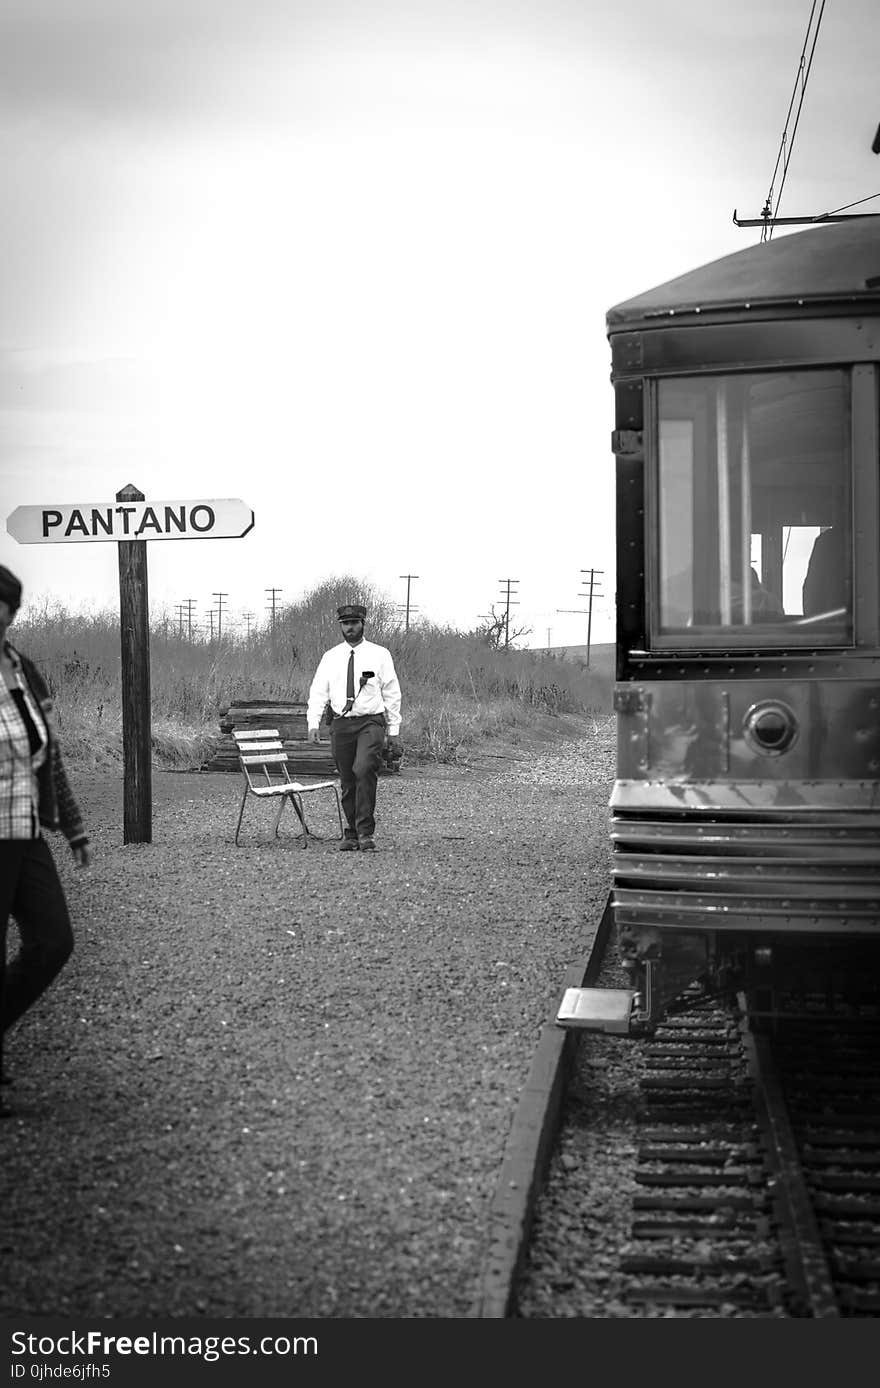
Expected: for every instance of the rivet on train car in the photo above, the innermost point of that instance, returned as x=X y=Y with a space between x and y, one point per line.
x=764 y=956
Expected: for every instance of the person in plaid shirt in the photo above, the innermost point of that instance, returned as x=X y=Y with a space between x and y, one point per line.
x=34 y=795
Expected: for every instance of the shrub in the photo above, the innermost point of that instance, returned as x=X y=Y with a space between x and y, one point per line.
x=457 y=690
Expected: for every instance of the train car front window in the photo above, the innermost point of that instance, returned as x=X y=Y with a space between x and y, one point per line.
x=754 y=510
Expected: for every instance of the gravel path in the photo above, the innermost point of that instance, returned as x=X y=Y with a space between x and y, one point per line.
x=276 y=1082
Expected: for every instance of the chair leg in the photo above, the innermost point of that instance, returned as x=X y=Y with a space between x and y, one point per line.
x=297 y=805
x=301 y=813
x=240 y=814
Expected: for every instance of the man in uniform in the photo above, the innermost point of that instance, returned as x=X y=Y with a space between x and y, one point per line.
x=358 y=681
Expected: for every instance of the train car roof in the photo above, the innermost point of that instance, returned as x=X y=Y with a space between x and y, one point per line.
x=829 y=263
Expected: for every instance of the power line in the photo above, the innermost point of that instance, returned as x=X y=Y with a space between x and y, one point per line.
x=190 y=604
x=508 y=602
x=409 y=578
x=219 y=597
x=586 y=611
x=272 y=607
x=786 y=145
x=593 y=593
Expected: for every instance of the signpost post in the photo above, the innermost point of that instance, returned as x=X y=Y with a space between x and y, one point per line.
x=131 y=522
x=134 y=627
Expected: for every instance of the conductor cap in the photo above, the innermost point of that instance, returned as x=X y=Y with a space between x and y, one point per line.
x=351 y=611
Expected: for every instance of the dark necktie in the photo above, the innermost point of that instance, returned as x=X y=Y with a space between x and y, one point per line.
x=349 y=681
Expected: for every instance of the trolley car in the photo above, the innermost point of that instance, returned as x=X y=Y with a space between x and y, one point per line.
x=745 y=816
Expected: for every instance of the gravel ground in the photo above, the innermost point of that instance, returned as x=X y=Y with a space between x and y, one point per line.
x=276 y=1082
x=582 y=1219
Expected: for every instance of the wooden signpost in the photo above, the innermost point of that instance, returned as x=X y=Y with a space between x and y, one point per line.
x=131 y=522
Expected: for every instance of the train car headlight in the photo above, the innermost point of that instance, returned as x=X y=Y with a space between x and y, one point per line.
x=770 y=727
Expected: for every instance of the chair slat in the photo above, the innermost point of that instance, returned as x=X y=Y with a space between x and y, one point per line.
x=259 y=758
x=244 y=734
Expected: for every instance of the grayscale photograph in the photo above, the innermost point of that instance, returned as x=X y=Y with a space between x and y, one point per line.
x=440 y=651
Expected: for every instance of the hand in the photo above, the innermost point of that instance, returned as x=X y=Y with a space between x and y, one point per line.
x=394 y=745
x=314 y=735
x=83 y=855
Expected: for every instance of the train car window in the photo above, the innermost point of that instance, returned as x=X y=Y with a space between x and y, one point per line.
x=753 y=504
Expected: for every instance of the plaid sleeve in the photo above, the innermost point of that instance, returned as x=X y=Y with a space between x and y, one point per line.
x=64 y=809
x=69 y=818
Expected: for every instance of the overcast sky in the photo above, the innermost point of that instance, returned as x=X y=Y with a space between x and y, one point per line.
x=350 y=261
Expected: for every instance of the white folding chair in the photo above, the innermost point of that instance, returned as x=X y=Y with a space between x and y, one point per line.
x=264 y=765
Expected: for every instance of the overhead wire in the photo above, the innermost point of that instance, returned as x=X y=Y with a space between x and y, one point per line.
x=847 y=205
x=786 y=145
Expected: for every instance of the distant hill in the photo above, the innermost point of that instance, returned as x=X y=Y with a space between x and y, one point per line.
x=601 y=657
x=598 y=677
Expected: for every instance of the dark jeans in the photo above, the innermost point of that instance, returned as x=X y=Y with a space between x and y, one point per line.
x=357 y=745
x=30 y=890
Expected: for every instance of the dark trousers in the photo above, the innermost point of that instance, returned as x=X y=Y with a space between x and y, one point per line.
x=31 y=891
x=357 y=745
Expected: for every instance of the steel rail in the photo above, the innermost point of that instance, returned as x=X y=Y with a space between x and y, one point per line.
x=530 y=1143
x=807 y=1271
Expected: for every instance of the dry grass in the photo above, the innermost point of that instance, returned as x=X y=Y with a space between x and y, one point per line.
x=458 y=692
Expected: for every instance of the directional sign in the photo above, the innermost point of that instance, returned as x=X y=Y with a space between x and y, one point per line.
x=131 y=520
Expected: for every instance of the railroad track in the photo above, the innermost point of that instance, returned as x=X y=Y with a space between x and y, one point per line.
x=756 y=1181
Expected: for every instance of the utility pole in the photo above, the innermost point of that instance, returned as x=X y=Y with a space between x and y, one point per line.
x=273 y=606
x=508 y=582
x=248 y=617
x=590 y=595
x=211 y=620
x=180 y=620
x=586 y=611
x=548 y=640
x=219 y=597
x=189 y=604
x=409 y=578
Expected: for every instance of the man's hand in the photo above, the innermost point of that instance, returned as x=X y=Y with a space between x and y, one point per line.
x=314 y=735
x=83 y=854
x=395 y=746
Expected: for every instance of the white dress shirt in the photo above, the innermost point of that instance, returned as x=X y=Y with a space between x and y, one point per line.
x=379 y=694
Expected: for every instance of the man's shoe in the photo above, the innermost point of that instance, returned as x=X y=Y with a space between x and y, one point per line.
x=348 y=846
x=365 y=845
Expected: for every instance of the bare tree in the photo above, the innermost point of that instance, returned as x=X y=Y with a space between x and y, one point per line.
x=494 y=630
